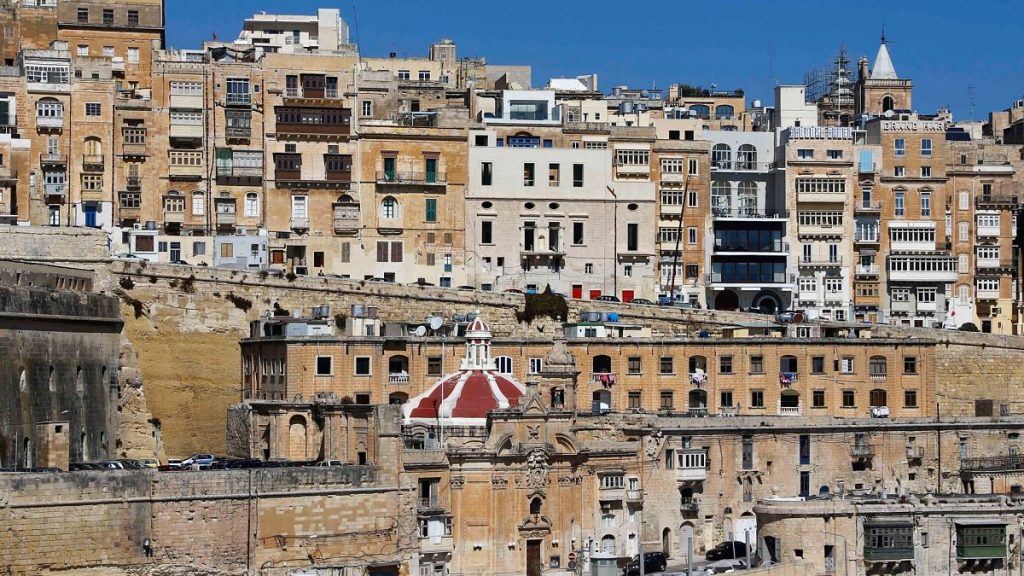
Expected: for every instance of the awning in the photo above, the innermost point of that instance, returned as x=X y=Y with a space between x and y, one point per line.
x=979 y=522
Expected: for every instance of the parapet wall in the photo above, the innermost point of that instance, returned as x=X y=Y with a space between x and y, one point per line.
x=57 y=244
x=200 y=520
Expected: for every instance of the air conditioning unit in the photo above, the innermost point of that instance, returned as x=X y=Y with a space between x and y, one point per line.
x=137 y=226
x=240 y=230
x=997 y=311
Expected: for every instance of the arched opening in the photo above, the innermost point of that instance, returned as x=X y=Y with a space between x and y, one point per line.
x=602 y=402
x=724 y=112
x=698 y=402
x=767 y=303
x=608 y=544
x=83 y=448
x=22 y=381
x=79 y=381
x=721 y=156
x=398 y=398
x=52 y=380
x=398 y=369
x=389 y=208
x=877 y=367
x=297 y=438
x=700 y=111
x=746 y=155
x=557 y=398
x=601 y=365
x=789 y=403
x=727 y=300
x=27 y=451
x=535 y=505
x=747 y=197
x=93 y=150
x=878 y=398
x=252 y=204
x=888 y=103
x=685 y=539
x=666 y=542
x=721 y=198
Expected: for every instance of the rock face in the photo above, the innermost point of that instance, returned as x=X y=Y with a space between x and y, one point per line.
x=138 y=433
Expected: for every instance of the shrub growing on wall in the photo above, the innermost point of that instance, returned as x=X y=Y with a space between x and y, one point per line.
x=544 y=304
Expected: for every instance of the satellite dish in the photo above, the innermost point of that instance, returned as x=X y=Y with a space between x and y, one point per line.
x=889 y=113
x=420 y=331
x=435 y=322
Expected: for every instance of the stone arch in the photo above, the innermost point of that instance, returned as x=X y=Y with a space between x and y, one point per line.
x=727 y=300
x=685 y=538
x=888 y=103
x=566 y=443
x=51 y=380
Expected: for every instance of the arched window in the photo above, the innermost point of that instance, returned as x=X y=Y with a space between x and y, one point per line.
x=535 y=505
x=700 y=111
x=748 y=198
x=721 y=198
x=746 y=156
x=888 y=104
x=198 y=203
x=503 y=364
x=601 y=364
x=389 y=208
x=93 y=149
x=398 y=398
x=252 y=204
x=22 y=381
x=877 y=398
x=721 y=156
x=724 y=112
x=174 y=201
x=52 y=380
x=876 y=366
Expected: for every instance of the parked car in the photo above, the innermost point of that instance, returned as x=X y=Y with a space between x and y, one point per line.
x=112 y=465
x=513 y=291
x=242 y=463
x=203 y=460
x=378 y=279
x=727 y=551
x=466 y=288
x=128 y=256
x=607 y=298
x=152 y=463
x=328 y=463
x=84 y=466
x=181 y=263
x=653 y=562
x=642 y=302
x=174 y=463
x=276 y=464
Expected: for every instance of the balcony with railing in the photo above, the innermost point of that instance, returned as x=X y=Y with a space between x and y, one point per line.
x=185 y=171
x=867 y=270
x=789 y=410
x=868 y=206
x=862 y=450
x=8 y=173
x=53 y=159
x=992 y=463
x=922 y=268
x=174 y=216
x=313 y=122
x=888 y=553
x=867 y=236
x=996 y=201
x=818 y=261
x=92 y=162
x=691 y=465
x=634 y=496
x=133 y=182
x=398 y=378
x=776 y=247
x=727 y=165
x=238 y=99
x=298 y=223
x=226 y=217
x=346 y=217
x=778 y=278
x=311 y=93
x=748 y=213
x=431 y=503
x=688 y=505
x=411 y=178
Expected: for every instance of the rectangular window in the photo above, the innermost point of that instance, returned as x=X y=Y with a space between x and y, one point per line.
x=108 y=16
x=817 y=365
x=910 y=364
x=92 y=182
x=632 y=237
x=691 y=166
x=846 y=365
x=691 y=235
x=634 y=365
x=93 y=109
x=910 y=398
x=486 y=173
x=433 y=365
x=577 y=175
x=817 y=399
x=634 y=400
x=486 y=232
x=666 y=365
x=133 y=55
x=899 y=147
x=666 y=399
x=83 y=50
x=926 y=171
x=133 y=18
x=577 y=234
x=554 y=174
x=926 y=147
x=362 y=366
x=199 y=248
x=805 y=153
x=324 y=365
x=757 y=364
x=849 y=399
x=83 y=15
x=899 y=205
x=430 y=209
x=725 y=399
x=227 y=250
x=612 y=481
x=757 y=398
x=926 y=204
x=725 y=365
x=536 y=365
x=528 y=173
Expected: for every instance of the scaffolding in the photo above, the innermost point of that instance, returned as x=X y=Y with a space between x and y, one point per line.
x=832 y=90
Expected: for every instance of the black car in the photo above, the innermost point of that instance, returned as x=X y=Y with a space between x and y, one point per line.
x=727 y=551
x=606 y=298
x=653 y=562
x=642 y=302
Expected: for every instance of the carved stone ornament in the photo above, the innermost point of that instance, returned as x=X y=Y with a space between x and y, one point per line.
x=536 y=470
x=654 y=444
x=499 y=482
x=457 y=482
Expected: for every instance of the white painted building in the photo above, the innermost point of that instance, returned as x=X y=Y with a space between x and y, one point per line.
x=295 y=34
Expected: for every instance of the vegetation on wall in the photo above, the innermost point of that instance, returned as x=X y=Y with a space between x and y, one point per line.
x=126 y=283
x=968 y=327
x=240 y=302
x=545 y=304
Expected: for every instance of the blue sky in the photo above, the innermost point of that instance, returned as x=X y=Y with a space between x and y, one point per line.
x=942 y=46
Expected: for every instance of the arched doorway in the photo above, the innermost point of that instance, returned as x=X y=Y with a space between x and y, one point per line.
x=727 y=300
x=297 y=438
x=608 y=544
x=745 y=529
x=602 y=402
x=767 y=303
x=888 y=103
x=666 y=542
x=727 y=529
x=698 y=402
x=686 y=544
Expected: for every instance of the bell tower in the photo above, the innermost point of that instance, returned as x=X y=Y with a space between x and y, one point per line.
x=881 y=89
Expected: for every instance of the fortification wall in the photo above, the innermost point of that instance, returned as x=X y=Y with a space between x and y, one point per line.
x=201 y=520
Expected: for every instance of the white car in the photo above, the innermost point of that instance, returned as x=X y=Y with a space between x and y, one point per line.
x=328 y=463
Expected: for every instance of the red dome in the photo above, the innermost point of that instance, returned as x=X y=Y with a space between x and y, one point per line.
x=468 y=396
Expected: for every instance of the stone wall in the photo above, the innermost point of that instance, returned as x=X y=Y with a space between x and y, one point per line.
x=46 y=244
x=198 y=521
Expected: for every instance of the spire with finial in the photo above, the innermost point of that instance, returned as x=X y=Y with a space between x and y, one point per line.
x=883 y=68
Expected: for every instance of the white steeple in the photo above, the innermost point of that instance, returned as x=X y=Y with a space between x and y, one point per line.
x=883 y=68
x=478 y=346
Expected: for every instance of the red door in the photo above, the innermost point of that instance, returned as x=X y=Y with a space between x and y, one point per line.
x=577 y=291
x=627 y=295
x=594 y=294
